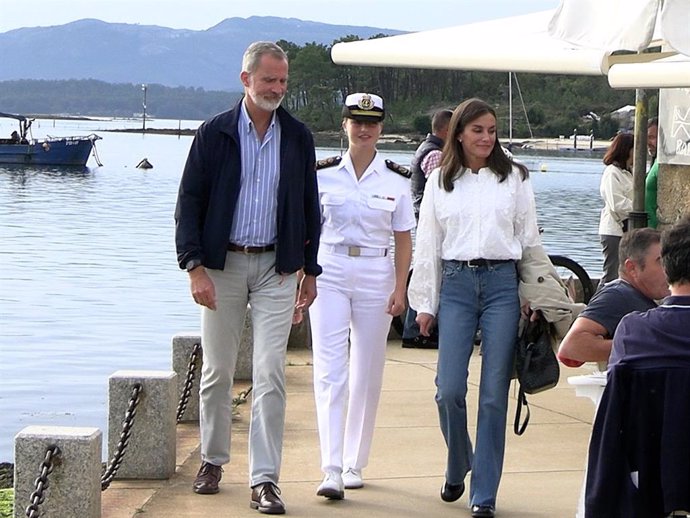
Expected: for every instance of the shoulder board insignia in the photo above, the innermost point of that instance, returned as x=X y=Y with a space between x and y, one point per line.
x=328 y=162
x=402 y=171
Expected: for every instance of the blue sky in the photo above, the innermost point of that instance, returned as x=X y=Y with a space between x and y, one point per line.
x=409 y=15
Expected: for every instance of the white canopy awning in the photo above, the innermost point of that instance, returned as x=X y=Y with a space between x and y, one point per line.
x=673 y=74
x=611 y=25
x=516 y=44
x=524 y=44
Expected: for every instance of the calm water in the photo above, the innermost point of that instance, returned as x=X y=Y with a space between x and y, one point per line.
x=89 y=282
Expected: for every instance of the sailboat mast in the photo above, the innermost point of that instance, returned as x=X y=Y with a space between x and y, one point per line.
x=510 y=108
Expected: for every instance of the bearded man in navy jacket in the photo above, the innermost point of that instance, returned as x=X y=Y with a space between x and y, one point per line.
x=247 y=221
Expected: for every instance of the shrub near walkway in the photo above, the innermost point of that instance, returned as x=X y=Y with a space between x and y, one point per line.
x=6 y=491
x=6 y=499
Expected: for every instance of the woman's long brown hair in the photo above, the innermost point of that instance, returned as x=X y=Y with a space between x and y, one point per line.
x=453 y=164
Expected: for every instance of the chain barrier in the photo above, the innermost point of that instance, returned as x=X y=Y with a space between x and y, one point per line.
x=189 y=381
x=41 y=484
x=125 y=435
x=241 y=398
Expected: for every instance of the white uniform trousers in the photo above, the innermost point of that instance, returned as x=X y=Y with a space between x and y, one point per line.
x=247 y=278
x=353 y=294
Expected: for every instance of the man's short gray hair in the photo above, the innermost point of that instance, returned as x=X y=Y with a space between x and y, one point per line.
x=255 y=51
x=634 y=246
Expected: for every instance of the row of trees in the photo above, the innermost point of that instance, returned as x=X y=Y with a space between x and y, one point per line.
x=89 y=97
x=553 y=104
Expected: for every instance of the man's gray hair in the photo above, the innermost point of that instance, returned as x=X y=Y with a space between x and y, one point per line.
x=255 y=51
x=634 y=246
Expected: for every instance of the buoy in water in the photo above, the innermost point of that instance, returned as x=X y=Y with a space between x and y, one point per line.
x=144 y=164
x=543 y=168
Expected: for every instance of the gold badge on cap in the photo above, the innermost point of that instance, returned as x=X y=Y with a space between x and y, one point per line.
x=366 y=102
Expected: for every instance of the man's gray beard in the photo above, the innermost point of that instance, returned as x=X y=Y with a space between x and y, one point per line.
x=265 y=104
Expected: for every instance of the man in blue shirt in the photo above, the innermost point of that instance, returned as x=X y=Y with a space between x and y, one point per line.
x=641 y=282
x=247 y=220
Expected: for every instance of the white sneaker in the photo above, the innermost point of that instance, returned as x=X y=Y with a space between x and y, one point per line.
x=332 y=486
x=352 y=478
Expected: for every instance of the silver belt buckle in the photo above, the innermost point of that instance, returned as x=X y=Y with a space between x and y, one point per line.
x=354 y=251
x=470 y=265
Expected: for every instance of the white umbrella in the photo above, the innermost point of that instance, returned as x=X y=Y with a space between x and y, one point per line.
x=632 y=25
x=623 y=24
x=525 y=44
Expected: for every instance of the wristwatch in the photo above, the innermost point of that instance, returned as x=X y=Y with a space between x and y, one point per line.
x=191 y=264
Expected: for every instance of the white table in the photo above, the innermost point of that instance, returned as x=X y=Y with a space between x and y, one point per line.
x=589 y=385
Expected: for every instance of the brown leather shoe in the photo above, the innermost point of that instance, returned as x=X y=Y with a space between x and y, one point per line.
x=206 y=482
x=266 y=500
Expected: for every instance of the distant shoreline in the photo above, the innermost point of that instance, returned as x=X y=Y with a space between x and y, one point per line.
x=403 y=142
x=409 y=142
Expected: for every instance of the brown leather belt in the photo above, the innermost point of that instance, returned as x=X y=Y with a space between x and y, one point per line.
x=251 y=249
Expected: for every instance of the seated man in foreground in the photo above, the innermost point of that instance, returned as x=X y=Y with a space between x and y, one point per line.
x=641 y=281
x=638 y=465
x=665 y=330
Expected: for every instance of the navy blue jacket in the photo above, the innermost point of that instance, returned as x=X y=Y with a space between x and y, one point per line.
x=210 y=187
x=642 y=425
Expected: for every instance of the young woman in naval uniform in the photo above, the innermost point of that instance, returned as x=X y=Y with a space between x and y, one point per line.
x=365 y=200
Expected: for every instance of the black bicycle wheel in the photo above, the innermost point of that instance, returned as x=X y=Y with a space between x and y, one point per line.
x=575 y=277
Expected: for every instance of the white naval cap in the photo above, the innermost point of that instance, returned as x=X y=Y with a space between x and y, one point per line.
x=364 y=107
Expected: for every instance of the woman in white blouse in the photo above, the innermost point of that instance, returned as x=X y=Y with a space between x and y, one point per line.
x=616 y=190
x=477 y=215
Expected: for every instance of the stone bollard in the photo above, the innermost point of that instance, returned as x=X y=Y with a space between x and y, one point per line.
x=74 y=486
x=151 y=451
x=182 y=347
x=300 y=337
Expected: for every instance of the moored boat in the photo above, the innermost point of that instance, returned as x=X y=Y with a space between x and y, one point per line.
x=20 y=148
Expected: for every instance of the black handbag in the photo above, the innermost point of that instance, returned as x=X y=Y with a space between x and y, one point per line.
x=536 y=366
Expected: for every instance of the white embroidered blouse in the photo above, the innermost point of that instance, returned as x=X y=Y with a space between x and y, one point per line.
x=479 y=219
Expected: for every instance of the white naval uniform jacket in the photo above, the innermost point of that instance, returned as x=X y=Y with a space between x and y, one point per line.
x=363 y=212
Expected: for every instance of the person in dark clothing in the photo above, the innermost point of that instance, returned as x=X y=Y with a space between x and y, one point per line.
x=426 y=159
x=645 y=335
x=639 y=465
x=247 y=220
x=428 y=156
x=641 y=283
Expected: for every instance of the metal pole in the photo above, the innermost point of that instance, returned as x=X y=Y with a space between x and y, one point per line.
x=143 y=87
x=638 y=216
x=510 y=110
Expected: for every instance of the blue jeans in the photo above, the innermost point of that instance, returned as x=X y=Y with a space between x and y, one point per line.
x=484 y=297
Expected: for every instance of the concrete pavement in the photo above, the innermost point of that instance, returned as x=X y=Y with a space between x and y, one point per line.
x=542 y=475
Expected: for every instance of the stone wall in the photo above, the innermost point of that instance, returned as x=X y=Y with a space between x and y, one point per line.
x=673 y=196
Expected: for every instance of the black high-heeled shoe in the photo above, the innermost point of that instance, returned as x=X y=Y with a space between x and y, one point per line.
x=483 y=511
x=451 y=492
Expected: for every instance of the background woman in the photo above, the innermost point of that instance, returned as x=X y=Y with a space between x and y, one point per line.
x=477 y=215
x=616 y=190
x=364 y=201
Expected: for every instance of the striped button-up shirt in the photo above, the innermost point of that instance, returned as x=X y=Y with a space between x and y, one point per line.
x=255 y=221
